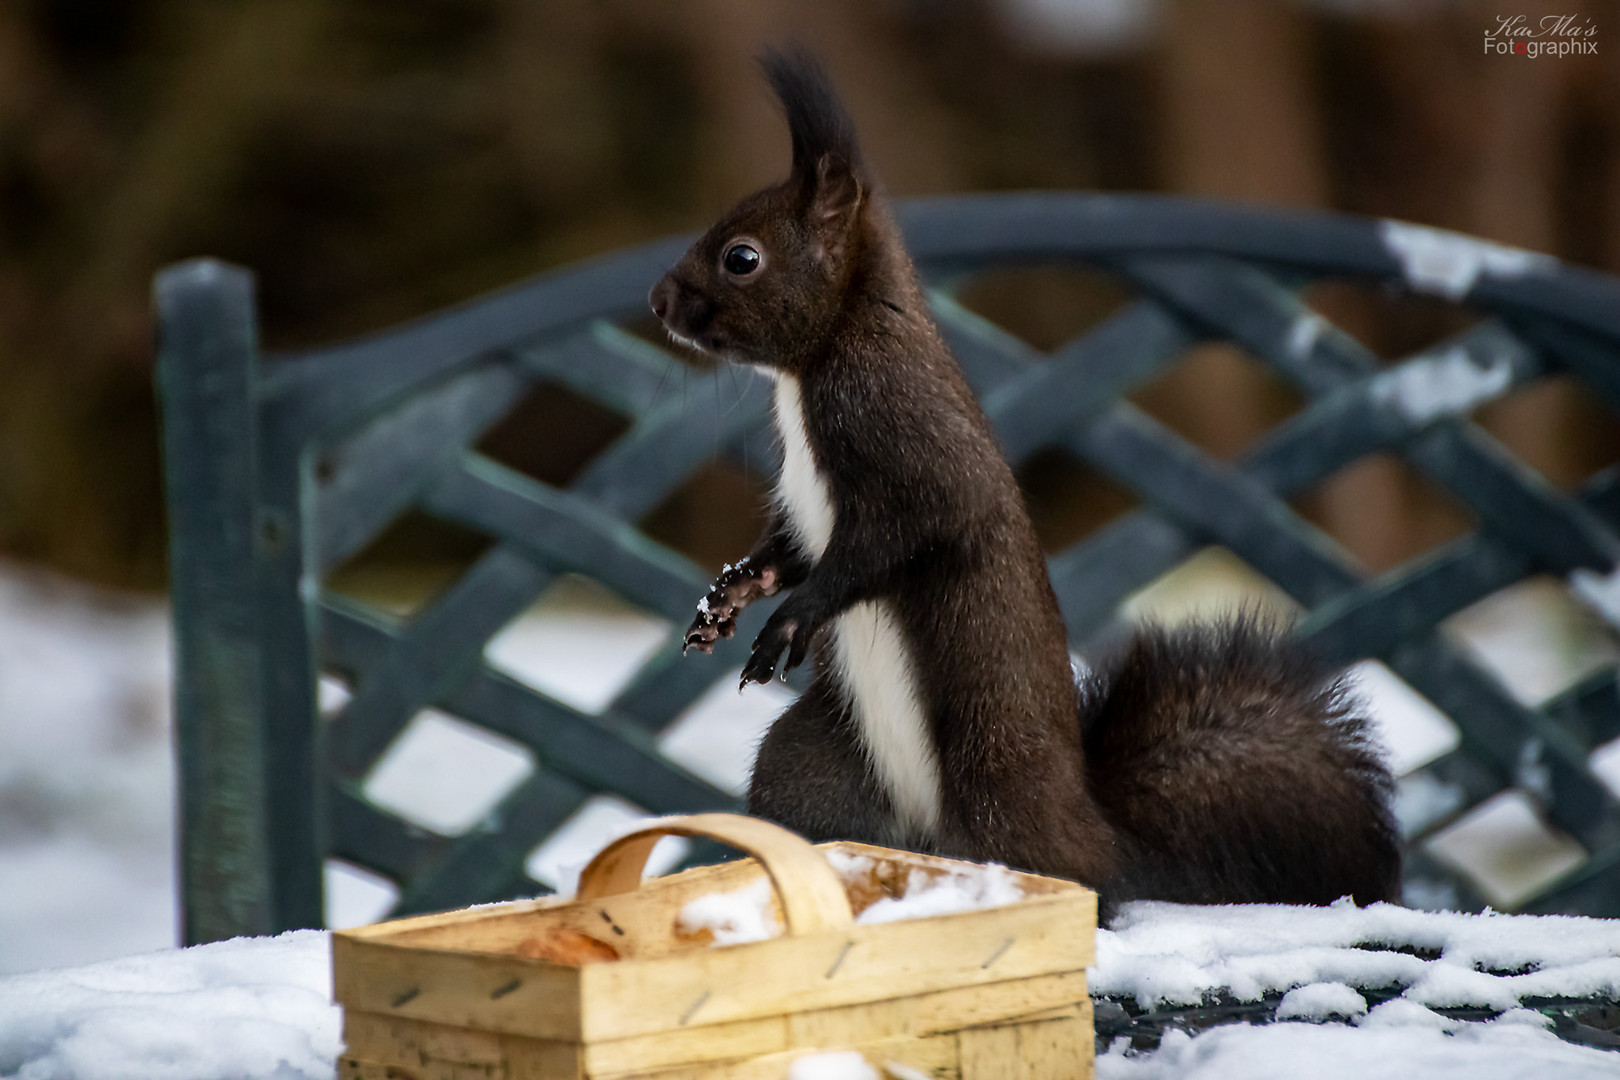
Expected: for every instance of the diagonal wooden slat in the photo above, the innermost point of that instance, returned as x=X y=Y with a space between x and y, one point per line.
x=440 y=646
x=369 y=480
x=617 y=370
x=568 y=532
x=1375 y=617
x=1463 y=458
x=604 y=751
x=1223 y=504
x=1243 y=304
x=485 y=859
x=659 y=454
x=318 y=392
x=1499 y=729
x=1082 y=379
x=374 y=839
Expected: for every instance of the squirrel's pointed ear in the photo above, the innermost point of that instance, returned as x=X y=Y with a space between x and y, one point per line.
x=835 y=197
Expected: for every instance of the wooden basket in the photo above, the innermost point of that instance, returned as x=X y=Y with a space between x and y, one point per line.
x=609 y=986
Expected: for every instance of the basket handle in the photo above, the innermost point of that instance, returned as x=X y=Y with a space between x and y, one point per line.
x=812 y=896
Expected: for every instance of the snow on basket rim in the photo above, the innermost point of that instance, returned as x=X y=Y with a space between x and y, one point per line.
x=742 y=915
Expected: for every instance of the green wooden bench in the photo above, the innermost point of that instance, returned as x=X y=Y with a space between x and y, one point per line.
x=281 y=467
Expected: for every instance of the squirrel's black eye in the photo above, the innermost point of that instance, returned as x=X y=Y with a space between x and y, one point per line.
x=741 y=260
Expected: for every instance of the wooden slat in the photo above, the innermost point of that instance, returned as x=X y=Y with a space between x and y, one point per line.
x=371 y=478
x=870 y=963
x=477 y=866
x=606 y=751
x=319 y=391
x=1053 y=1049
x=617 y=370
x=1222 y=503
x=394 y=1040
x=567 y=532
x=492 y=993
x=661 y=451
x=1083 y=378
x=1499 y=729
x=440 y=646
x=853 y=1025
x=356 y=1068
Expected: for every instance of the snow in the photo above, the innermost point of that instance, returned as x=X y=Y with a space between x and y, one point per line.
x=1509 y=851
x=579 y=642
x=926 y=896
x=718 y=736
x=1392 y=1045
x=1159 y=953
x=843 y=1065
x=1537 y=637
x=1412 y=731
x=1320 y=1001
x=1303 y=334
x=746 y=914
x=1432 y=387
x=445 y=773
x=244 y=1009
x=1601 y=592
x=86 y=774
x=733 y=917
x=1448 y=264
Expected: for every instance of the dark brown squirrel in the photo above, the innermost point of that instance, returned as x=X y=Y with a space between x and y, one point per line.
x=1210 y=764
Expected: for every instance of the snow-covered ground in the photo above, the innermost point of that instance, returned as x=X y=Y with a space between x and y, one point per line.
x=86 y=776
x=246 y=1009
x=86 y=848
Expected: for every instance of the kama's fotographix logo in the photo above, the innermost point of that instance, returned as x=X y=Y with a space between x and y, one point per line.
x=1550 y=35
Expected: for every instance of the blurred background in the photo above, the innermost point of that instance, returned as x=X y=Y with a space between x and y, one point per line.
x=375 y=160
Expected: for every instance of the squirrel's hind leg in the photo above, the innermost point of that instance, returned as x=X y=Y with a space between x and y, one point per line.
x=812 y=774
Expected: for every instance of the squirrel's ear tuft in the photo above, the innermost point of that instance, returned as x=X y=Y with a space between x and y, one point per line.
x=834 y=198
x=819 y=124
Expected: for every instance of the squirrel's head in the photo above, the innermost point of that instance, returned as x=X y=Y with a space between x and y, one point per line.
x=764 y=284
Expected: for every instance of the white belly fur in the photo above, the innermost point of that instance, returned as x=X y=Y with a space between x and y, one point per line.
x=870 y=656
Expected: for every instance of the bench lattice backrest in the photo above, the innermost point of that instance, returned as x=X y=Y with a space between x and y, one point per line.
x=280 y=468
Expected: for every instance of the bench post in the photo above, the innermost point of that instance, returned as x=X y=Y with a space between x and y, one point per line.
x=243 y=820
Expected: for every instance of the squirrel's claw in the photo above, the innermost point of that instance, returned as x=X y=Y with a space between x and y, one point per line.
x=780 y=633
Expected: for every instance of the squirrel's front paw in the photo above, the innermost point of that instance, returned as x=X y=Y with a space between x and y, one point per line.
x=782 y=631
x=737 y=586
x=712 y=623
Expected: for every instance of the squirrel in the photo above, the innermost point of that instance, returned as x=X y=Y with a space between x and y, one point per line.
x=1207 y=764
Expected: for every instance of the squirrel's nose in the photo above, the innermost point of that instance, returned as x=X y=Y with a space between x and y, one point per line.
x=662 y=296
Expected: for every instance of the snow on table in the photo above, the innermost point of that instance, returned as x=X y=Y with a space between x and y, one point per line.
x=1514 y=1047
x=1170 y=953
x=261 y=1007
x=1322 y=959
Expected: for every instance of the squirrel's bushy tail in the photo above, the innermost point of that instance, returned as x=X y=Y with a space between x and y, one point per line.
x=1235 y=768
